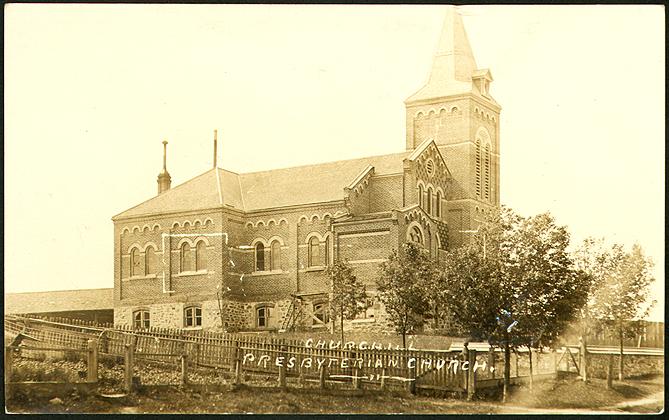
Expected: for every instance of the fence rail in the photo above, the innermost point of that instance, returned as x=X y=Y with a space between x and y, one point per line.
x=456 y=370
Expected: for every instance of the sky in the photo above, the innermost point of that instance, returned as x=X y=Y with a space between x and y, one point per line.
x=91 y=91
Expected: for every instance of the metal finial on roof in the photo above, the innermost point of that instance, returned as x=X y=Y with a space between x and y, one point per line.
x=215 y=144
x=165 y=155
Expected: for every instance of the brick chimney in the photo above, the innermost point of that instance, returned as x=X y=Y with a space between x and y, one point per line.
x=164 y=179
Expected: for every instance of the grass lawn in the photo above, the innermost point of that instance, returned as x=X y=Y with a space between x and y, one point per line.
x=568 y=395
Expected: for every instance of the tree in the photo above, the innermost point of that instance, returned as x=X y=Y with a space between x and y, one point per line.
x=402 y=286
x=348 y=295
x=622 y=292
x=515 y=285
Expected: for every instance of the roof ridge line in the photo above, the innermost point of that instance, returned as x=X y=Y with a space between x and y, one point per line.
x=324 y=163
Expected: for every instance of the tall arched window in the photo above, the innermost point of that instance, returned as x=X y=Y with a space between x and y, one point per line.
x=437 y=207
x=150 y=262
x=486 y=173
x=314 y=252
x=260 y=257
x=478 y=167
x=415 y=235
x=420 y=195
x=135 y=263
x=275 y=256
x=429 y=201
x=327 y=250
x=200 y=256
x=186 y=258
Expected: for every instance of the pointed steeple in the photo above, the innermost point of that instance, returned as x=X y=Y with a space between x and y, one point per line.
x=453 y=65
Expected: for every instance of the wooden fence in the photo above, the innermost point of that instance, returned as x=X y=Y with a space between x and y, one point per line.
x=460 y=371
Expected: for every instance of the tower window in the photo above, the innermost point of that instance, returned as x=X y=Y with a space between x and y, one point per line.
x=486 y=173
x=478 y=167
x=420 y=195
x=437 y=206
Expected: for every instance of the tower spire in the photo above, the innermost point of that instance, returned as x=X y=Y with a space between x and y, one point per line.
x=453 y=65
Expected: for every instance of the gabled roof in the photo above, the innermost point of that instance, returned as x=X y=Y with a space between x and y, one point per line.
x=266 y=189
x=423 y=147
x=59 y=301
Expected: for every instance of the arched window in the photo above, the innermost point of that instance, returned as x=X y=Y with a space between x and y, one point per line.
x=486 y=173
x=135 y=263
x=141 y=319
x=275 y=256
x=150 y=262
x=437 y=207
x=200 y=256
x=193 y=316
x=314 y=252
x=429 y=200
x=186 y=258
x=327 y=250
x=420 y=195
x=415 y=235
x=478 y=167
x=260 y=257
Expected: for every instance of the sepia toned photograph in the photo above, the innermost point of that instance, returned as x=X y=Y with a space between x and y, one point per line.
x=334 y=209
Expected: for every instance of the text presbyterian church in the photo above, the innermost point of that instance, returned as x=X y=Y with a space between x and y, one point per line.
x=266 y=238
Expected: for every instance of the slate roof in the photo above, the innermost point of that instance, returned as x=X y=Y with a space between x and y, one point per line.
x=59 y=301
x=266 y=189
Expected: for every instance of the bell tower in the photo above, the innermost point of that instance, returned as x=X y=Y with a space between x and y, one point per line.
x=456 y=110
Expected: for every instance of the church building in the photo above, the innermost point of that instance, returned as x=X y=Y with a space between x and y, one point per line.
x=249 y=251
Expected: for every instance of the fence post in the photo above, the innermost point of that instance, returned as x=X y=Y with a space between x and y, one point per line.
x=238 y=364
x=197 y=353
x=129 y=366
x=555 y=361
x=92 y=361
x=471 y=380
x=9 y=359
x=412 y=379
x=609 y=373
x=184 y=369
x=465 y=358
x=282 y=368
x=321 y=377
x=529 y=348
x=383 y=379
x=356 y=372
x=491 y=360
x=583 y=359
